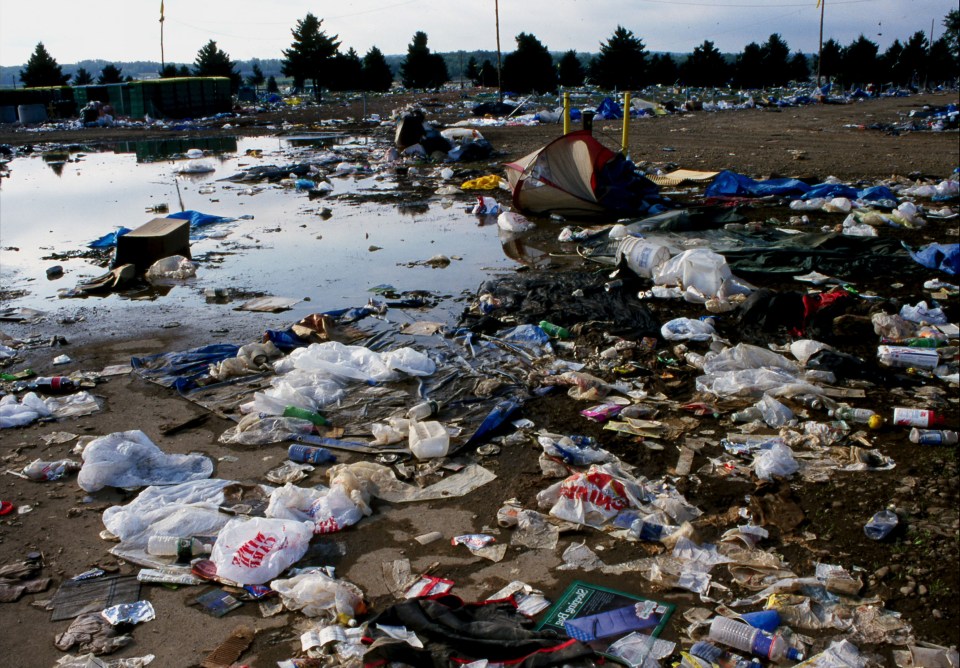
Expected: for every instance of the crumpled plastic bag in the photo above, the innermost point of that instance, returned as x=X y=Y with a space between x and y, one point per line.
x=92 y=633
x=688 y=329
x=256 y=550
x=175 y=267
x=316 y=594
x=129 y=459
x=256 y=430
x=776 y=461
x=329 y=510
x=592 y=498
x=188 y=509
x=923 y=314
x=31 y=407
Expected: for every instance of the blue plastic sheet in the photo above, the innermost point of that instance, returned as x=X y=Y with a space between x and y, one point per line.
x=609 y=110
x=731 y=184
x=109 y=240
x=199 y=220
x=181 y=370
x=945 y=257
x=830 y=190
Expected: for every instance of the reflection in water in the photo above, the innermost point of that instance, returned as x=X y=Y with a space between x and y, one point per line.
x=158 y=149
x=413 y=208
x=517 y=248
x=56 y=160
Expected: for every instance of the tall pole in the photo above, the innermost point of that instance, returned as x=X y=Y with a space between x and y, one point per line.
x=163 y=63
x=823 y=6
x=496 y=10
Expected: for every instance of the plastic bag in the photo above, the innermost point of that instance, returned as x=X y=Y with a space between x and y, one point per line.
x=923 y=314
x=129 y=459
x=187 y=509
x=18 y=414
x=774 y=413
x=328 y=510
x=314 y=594
x=688 y=329
x=514 y=222
x=699 y=268
x=175 y=267
x=775 y=461
x=804 y=349
x=256 y=430
x=257 y=550
x=592 y=498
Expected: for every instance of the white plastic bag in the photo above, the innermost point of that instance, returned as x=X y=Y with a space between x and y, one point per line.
x=592 y=498
x=776 y=461
x=688 y=329
x=129 y=459
x=257 y=550
x=175 y=267
x=314 y=594
x=774 y=413
x=328 y=510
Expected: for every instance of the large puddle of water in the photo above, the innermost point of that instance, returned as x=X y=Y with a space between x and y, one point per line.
x=58 y=202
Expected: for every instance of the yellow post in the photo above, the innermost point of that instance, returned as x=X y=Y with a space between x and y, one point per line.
x=566 y=112
x=625 y=142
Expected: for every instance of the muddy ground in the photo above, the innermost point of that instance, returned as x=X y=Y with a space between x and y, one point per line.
x=916 y=572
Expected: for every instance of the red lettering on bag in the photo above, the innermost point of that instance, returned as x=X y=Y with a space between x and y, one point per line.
x=252 y=553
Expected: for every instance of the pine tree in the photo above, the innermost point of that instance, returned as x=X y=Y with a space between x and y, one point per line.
x=776 y=55
x=748 y=71
x=272 y=86
x=473 y=71
x=256 y=79
x=832 y=61
x=860 y=62
x=488 y=74
x=622 y=62
x=799 y=68
x=706 y=66
x=663 y=69
x=570 y=70
x=110 y=74
x=310 y=55
x=42 y=70
x=346 y=71
x=420 y=68
x=529 y=69
x=82 y=77
x=212 y=62
x=376 y=74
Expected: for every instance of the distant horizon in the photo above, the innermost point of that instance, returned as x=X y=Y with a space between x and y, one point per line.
x=245 y=29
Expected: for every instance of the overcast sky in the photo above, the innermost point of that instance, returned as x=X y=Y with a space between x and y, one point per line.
x=126 y=31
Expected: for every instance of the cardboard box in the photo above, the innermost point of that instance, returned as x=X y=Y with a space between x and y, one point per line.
x=160 y=238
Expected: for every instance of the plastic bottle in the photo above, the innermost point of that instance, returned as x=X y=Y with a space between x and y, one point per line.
x=175 y=546
x=720 y=657
x=915 y=342
x=810 y=401
x=749 y=414
x=915 y=417
x=554 y=330
x=304 y=414
x=881 y=524
x=18 y=375
x=42 y=471
x=650 y=531
x=933 y=437
x=50 y=385
x=748 y=639
x=309 y=454
x=423 y=410
x=903 y=356
x=860 y=415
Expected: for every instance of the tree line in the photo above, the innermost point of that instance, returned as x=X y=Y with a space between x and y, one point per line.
x=623 y=63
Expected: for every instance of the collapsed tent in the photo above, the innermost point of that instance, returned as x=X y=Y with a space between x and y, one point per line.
x=576 y=175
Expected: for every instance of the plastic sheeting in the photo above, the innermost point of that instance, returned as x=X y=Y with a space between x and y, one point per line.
x=945 y=257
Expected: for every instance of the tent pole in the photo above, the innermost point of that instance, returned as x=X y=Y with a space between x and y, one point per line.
x=625 y=142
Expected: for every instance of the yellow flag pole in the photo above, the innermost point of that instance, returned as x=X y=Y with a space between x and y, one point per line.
x=162 y=60
x=625 y=141
x=566 y=112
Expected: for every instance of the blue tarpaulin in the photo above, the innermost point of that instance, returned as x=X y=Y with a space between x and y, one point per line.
x=108 y=240
x=731 y=184
x=945 y=257
x=608 y=109
x=198 y=220
x=873 y=193
x=180 y=370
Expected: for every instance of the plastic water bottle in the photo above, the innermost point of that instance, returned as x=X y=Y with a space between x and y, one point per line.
x=175 y=546
x=423 y=410
x=881 y=524
x=309 y=454
x=860 y=415
x=933 y=436
x=720 y=657
x=555 y=331
x=49 y=385
x=748 y=639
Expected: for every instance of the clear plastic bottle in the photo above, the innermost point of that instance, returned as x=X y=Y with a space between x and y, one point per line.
x=859 y=415
x=423 y=410
x=933 y=436
x=748 y=639
x=749 y=414
x=881 y=524
x=175 y=546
